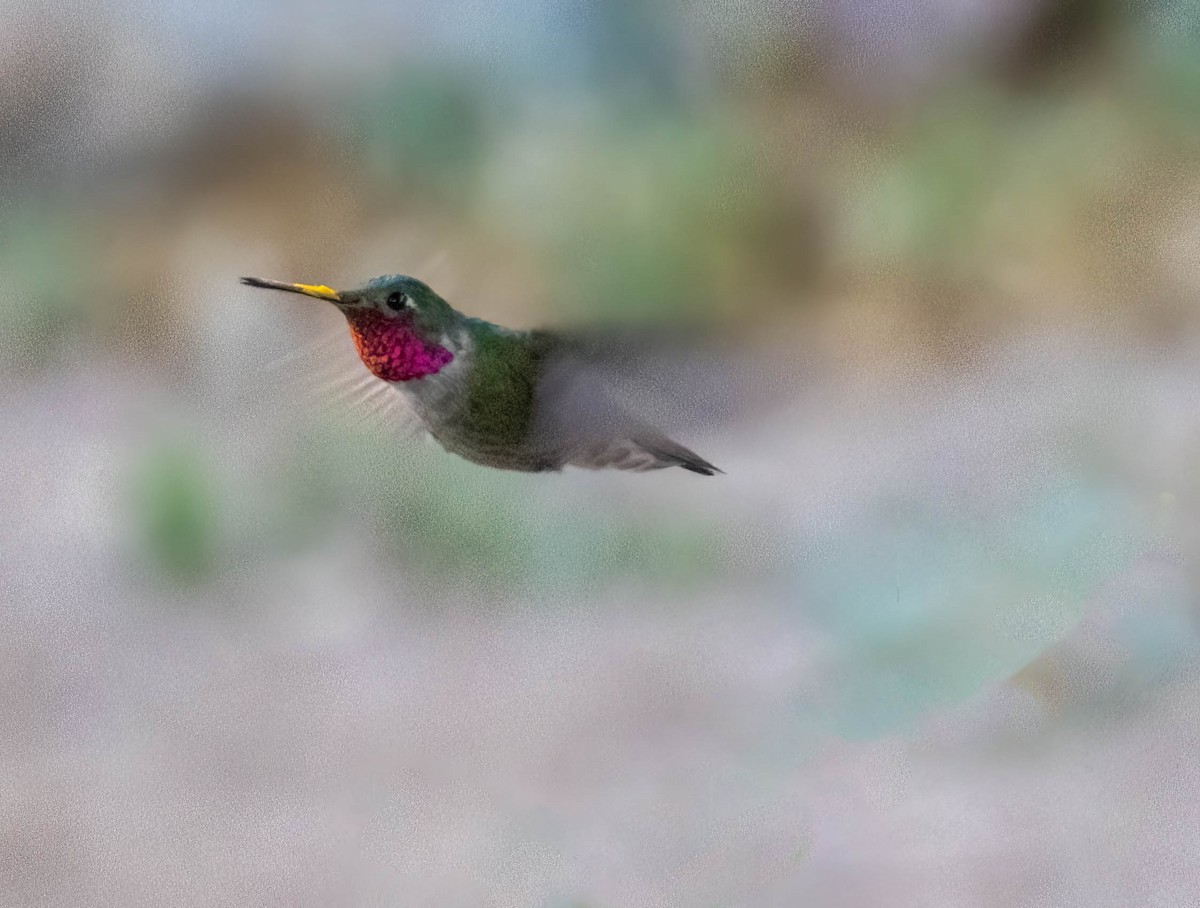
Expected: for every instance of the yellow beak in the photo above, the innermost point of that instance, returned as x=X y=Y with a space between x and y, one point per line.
x=320 y=291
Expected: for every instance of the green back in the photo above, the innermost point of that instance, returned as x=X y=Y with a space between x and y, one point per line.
x=502 y=384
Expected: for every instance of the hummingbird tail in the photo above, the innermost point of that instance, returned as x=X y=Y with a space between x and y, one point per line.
x=669 y=453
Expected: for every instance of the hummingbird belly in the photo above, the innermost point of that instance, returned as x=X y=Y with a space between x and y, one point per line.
x=490 y=430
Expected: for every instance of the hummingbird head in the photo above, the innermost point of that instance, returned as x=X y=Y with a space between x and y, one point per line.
x=401 y=328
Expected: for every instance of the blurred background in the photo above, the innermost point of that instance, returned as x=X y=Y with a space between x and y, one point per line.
x=931 y=641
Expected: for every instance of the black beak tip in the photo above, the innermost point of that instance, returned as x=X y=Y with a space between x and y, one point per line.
x=253 y=282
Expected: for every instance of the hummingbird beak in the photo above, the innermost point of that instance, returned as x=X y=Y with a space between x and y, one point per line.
x=320 y=291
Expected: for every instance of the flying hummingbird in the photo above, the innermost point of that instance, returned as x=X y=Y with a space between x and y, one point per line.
x=514 y=400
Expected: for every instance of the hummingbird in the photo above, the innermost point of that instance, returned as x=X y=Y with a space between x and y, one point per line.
x=510 y=399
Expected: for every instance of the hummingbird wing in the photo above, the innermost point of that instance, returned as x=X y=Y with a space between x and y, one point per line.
x=678 y=377
x=328 y=374
x=691 y=378
x=582 y=418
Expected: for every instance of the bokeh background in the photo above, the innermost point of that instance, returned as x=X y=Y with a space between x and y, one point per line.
x=931 y=641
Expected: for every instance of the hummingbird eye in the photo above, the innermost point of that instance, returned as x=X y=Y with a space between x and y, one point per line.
x=396 y=300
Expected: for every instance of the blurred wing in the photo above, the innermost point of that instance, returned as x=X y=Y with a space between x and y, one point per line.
x=681 y=378
x=329 y=375
x=581 y=419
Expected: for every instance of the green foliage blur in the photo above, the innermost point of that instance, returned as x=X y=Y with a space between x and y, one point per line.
x=178 y=513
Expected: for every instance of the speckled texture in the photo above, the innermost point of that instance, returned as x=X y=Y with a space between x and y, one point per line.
x=391 y=347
